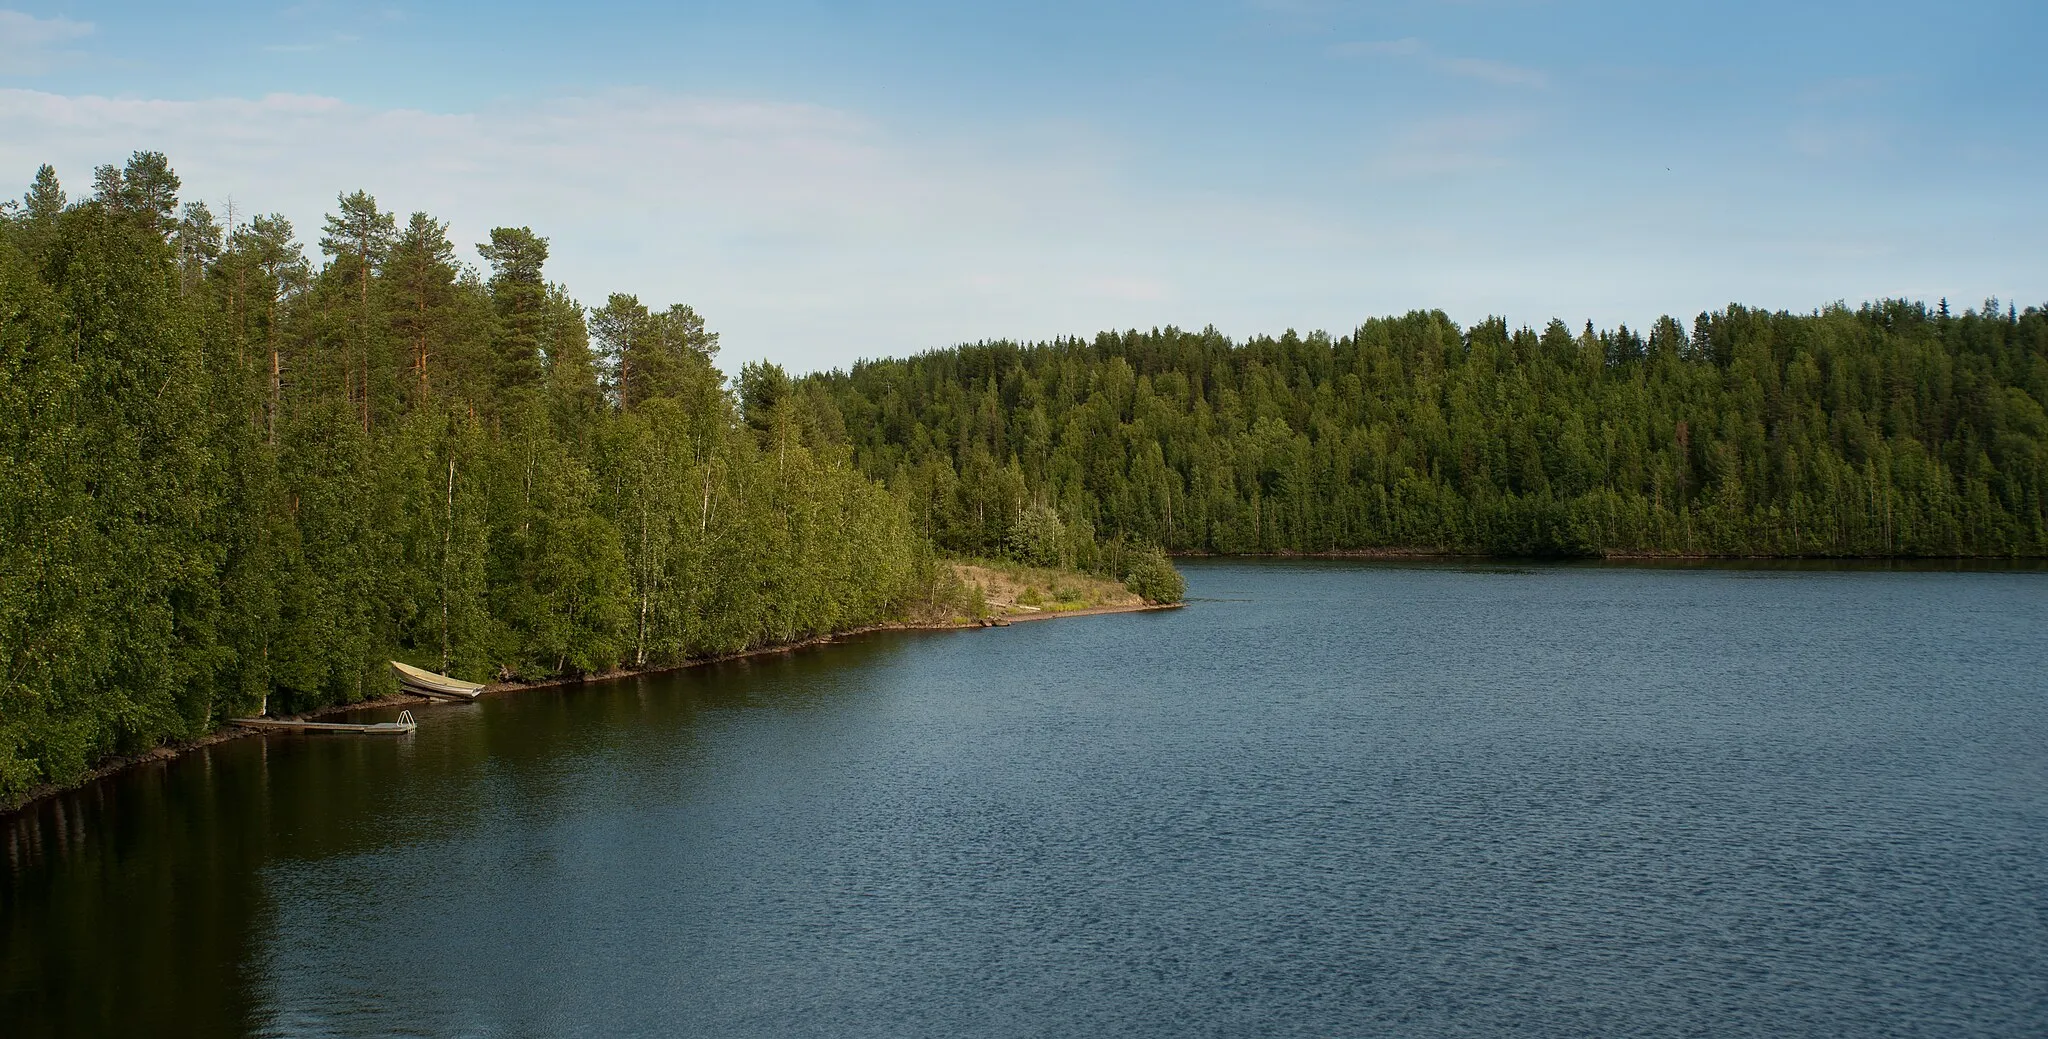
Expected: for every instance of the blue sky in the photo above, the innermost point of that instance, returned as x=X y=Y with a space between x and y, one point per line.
x=831 y=181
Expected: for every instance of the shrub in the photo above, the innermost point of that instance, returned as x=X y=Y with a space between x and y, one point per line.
x=1039 y=537
x=1151 y=577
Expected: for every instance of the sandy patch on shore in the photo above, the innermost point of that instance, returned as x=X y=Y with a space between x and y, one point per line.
x=1015 y=592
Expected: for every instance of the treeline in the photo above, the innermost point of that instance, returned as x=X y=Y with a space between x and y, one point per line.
x=228 y=473
x=1888 y=430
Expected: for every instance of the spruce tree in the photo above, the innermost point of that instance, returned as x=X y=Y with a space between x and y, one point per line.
x=44 y=199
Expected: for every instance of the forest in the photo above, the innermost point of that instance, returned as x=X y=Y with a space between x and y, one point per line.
x=1893 y=429
x=231 y=477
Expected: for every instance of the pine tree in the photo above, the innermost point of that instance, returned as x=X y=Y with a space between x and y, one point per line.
x=146 y=191
x=266 y=269
x=358 y=239
x=421 y=269
x=198 y=242
x=618 y=327
x=520 y=297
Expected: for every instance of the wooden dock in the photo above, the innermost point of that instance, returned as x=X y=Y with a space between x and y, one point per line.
x=403 y=725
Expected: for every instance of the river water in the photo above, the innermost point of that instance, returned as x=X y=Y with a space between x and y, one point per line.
x=1322 y=800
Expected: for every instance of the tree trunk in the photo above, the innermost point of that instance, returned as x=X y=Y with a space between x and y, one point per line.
x=421 y=344
x=365 y=340
x=704 y=515
x=640 y=637
x=447 y=531
x=276 y=376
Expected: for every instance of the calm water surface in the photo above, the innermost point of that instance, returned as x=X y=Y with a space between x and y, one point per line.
x=1340 y=801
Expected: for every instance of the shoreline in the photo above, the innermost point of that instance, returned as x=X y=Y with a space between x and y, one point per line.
x=498 y=688
x=114 y=766
x=1615 y=556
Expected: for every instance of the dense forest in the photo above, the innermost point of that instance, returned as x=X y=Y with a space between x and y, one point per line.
x=228 y=474
x=1889 y=430
x=232 y=477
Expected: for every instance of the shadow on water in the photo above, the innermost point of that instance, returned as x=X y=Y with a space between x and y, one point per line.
x=1328 y=798
x=143 y=899
x=1539 y=564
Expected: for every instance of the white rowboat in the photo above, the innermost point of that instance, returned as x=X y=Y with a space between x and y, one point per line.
x=439 y=687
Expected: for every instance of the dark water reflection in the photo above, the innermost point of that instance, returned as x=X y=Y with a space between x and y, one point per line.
x=1350 y=800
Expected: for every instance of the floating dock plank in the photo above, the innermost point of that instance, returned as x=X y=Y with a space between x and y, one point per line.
x=403 y=725
x=434 y=694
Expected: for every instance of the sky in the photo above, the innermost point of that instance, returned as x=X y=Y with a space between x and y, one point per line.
x=827 y=182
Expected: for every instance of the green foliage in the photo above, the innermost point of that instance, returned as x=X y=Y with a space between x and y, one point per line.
x=1886 y=430
x=521 y=300
x=942 y=596
x=651 y=355
x=1151 y=576
x=44 y=199
x=229 y=479
x=1039 y=537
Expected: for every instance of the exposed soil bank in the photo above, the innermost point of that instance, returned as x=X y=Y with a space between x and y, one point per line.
x=1014 y=591
x=113 y=766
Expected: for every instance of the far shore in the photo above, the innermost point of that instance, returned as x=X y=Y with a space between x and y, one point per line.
x=1004 y=608
x=167 y=752
x=1618 y=556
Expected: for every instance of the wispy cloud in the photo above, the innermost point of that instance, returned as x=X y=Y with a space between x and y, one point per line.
x=340 y=39
x=31 y=46
x=1486 y=70
x=1136 y=288
x=1451 y=144
x=1835 y=140
x=1498 y=72
x=1844 y=118
x=1405 y=47
x=1841 y=89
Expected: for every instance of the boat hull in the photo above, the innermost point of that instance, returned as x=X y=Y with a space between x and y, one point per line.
x=439 y=687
